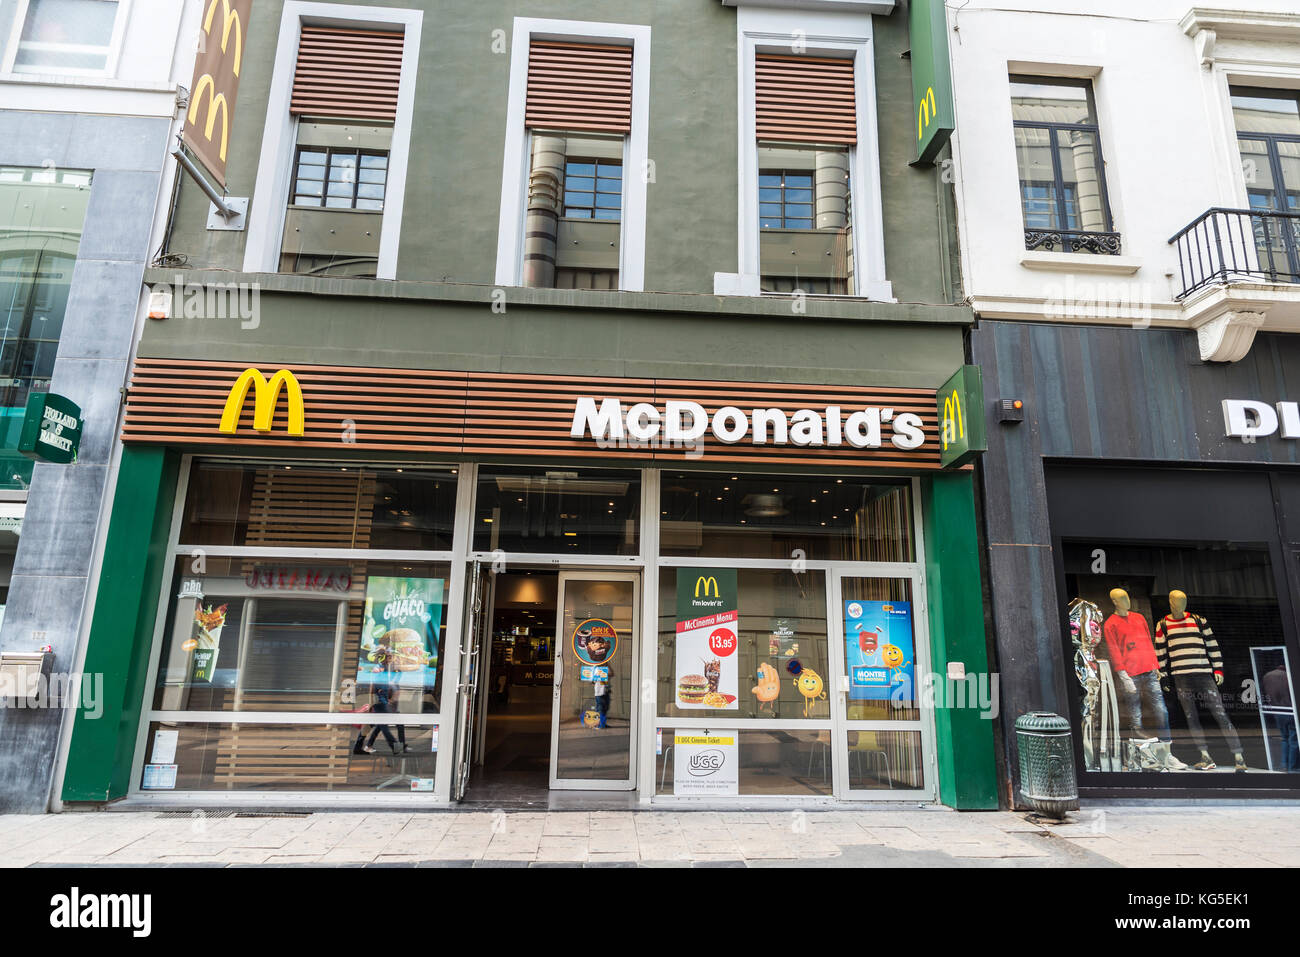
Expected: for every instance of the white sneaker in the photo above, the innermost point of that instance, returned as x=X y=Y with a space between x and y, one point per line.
x=1168 y=759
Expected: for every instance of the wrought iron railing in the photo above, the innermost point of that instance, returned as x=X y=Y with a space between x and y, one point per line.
x=1238 y=245
x=1072 y=241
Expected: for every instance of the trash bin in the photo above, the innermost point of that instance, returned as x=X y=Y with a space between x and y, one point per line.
x=1046 y=763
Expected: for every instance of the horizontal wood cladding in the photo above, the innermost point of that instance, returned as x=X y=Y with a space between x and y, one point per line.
x=347 y=73
x=180 y=402
x=804 y=99
x=579 y=87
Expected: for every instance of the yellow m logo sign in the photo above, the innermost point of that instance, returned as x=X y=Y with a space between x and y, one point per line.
x=265 y=396
x=953 y=425
x=925 y=111
x=217 y=101
x=231 y=22
x=706 y=584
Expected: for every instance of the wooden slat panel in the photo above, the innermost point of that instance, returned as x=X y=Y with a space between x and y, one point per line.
x=579 y=86
x=805 y=99
x=414 y=411
x=347 y=73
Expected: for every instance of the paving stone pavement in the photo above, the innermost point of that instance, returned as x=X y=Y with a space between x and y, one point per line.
x=1114 y=836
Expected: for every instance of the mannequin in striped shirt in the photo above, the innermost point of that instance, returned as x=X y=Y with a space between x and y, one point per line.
x=1188 y=652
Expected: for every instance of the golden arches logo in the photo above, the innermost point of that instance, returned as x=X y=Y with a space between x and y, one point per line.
x=230 y=22
x=925 y=112
x=216 y=101
x=265 y=396
x=954 y=423
x=706 y=584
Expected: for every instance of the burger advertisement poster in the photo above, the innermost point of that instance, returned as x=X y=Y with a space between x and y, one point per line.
x=399 y=636
x=878 y=649
x=708 y=619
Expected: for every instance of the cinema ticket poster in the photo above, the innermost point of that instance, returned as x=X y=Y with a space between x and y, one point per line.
x=399 y=637
x=879 y=650
x=708 y=620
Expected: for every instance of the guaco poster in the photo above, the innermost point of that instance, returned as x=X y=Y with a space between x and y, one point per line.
x=708 y=619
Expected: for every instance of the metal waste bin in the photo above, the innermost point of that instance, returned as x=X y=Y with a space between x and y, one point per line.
x=1046 y=763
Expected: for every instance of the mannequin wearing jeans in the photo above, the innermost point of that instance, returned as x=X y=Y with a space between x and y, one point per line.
x=1137 y=675
x=1188 y=651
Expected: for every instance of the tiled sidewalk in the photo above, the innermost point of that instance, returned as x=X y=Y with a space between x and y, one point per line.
x=1250 y=835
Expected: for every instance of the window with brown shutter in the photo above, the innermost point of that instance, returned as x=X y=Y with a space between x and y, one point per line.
x=579 y=86
x=347 y=73
x=805 y=99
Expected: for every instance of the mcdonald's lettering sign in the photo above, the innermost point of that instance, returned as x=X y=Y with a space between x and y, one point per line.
x=960 y=404
x=265 y=397
x=931 y=78
x=223 y=35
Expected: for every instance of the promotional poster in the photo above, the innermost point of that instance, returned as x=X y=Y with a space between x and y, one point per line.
x=878 y=649
x=706 y=763
x=708 y=618
x=399 y=636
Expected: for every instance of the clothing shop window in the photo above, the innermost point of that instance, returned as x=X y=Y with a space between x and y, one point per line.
x=1062 y=173
x=66 y=36
x=1180 y=659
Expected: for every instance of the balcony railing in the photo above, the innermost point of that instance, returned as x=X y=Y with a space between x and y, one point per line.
x=1238 y=245
x=1072 y=241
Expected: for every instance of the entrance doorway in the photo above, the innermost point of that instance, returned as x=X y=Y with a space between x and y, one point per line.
x=547 y=683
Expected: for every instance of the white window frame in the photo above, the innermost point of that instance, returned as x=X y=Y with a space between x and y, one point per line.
x=636 y=156
x=114 y=45
x=762 y=30
x=275 y=169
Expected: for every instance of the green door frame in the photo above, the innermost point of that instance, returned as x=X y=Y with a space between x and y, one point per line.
x=102 y=749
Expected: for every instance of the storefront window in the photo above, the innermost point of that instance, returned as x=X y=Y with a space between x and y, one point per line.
x=743 y=643
x=280 y=757
x=231 y=503
x=768 y=762
x=570 y=511
x=42 y=211
x=1180 y=658
x=304 y=636
x=784 y=517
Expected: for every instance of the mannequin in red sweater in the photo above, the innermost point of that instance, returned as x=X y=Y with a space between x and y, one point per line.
x=1137 y=677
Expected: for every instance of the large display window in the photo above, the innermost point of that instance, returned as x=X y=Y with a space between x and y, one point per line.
x=303 y=634
x=1178 y=626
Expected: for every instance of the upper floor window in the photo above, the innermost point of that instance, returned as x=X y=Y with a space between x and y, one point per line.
x=1268 y=135
x=578 y=114
x=806 y=121
x=345 y=93
x=1062 y=174
x=65 y=36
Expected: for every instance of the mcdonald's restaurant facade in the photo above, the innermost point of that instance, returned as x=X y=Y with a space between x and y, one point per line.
x=775 y=585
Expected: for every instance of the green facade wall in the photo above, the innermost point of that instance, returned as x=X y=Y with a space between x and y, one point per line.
x=453 y=186
x=121 y=632
x=963 y=736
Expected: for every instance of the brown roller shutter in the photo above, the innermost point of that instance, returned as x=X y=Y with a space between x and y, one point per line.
x=347 y=73
x=579 y=86
x=805 y=99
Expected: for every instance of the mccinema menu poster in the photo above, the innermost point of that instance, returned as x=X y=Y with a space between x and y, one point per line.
x=399 y=636
x=878 y=649
x=708 y=618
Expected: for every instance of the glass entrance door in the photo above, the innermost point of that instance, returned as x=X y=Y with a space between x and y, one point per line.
x=593 y=724
x=883 y=729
